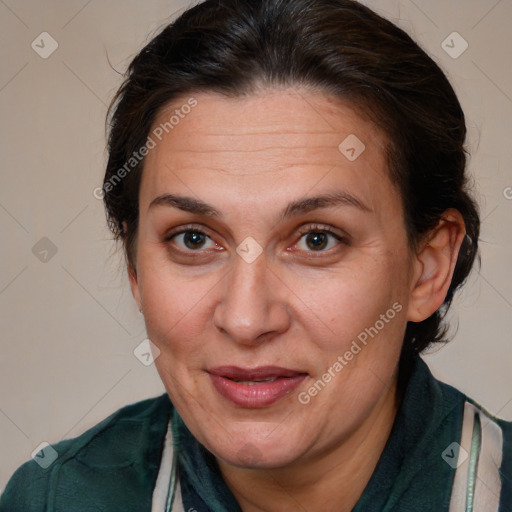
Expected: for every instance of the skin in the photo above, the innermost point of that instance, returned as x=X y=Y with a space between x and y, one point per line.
x=295 y=306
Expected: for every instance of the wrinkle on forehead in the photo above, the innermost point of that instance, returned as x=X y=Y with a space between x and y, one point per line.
x=273 y=137
x=312 y=113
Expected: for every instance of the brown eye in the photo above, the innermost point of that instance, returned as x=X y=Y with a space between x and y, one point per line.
x=191 y=240
x=316 y=239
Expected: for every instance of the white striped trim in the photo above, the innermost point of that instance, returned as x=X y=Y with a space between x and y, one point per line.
x=161 y=490
x=460 y=482
x=488 y=481
x=177 y=505
x=487 y=477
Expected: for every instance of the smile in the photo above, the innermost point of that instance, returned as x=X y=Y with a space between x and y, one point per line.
x=257 y=387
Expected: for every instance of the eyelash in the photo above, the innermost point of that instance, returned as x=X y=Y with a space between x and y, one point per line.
x=318 y=228
x=309 y=229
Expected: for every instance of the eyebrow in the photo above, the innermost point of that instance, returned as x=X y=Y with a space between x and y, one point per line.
x=297 y=207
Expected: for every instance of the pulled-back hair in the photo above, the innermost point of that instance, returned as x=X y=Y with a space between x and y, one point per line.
x=339 y=47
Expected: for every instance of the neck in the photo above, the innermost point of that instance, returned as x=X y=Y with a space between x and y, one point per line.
x=330 y=480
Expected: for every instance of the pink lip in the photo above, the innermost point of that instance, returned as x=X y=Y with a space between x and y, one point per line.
x=260 y=394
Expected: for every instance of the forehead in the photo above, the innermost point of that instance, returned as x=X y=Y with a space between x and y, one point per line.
x=274 y=138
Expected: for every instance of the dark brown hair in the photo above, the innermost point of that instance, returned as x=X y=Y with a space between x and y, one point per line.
x=337 y=46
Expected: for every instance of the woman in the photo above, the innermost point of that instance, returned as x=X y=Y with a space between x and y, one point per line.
x=288 y=180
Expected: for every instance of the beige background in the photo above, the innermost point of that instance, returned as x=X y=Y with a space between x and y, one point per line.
x=69 y=326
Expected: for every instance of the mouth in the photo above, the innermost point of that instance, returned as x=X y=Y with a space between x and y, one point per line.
x=255 y=387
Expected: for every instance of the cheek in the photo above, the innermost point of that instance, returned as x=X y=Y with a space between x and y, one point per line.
x=349 y=301
x=175 y=308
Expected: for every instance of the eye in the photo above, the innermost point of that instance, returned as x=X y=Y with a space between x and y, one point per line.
x=191 y=240
x=319 y=239
x=313 y=239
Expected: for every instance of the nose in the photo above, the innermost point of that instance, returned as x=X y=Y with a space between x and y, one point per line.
x=253 y=307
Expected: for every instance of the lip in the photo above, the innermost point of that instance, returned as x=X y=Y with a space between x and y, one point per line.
x=259 y=394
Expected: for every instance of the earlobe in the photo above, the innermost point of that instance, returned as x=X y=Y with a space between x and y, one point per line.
x=434 y=266
x=134 y=285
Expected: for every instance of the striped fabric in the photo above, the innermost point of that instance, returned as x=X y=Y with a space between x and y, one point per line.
x=477 y=483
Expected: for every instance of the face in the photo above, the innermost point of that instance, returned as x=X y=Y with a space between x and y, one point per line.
x=273 y=271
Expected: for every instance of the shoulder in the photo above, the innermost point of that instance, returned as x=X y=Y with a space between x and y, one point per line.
x=471 y=409
x=120 y=446
x=457 y=448
x=483 y=451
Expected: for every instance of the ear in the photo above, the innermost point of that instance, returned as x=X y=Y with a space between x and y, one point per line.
x=133 y=278
x=434 y=265
x=134 y=285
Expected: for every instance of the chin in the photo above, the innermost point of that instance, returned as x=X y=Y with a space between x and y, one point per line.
x=257 y=451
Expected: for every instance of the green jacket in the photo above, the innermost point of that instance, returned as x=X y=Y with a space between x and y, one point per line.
x=114 y=466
